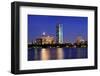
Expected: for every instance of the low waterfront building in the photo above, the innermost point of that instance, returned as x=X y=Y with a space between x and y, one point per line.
x=45 y=39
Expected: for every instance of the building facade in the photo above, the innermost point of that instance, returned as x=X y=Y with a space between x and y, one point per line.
x=45 y=39
x=59 y=33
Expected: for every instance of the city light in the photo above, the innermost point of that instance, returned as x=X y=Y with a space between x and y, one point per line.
x=44 y=33
x=51 y=41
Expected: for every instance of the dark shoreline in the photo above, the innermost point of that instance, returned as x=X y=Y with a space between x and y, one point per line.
x=68 y=45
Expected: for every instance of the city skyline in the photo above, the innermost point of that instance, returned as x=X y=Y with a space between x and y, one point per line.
x=72 y=26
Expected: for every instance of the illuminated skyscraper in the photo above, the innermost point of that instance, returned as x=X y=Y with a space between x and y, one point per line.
x=59 y=33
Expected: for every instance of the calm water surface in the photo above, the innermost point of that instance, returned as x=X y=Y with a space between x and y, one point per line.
x=56 y=53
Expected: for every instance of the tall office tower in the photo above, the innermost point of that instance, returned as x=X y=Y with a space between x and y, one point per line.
x=59 y=33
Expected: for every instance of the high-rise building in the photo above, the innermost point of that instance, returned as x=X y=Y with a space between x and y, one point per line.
x=59 y=33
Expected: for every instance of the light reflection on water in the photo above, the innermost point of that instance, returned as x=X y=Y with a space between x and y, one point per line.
x=56 y=53
x=60 y=53
x=45 y=54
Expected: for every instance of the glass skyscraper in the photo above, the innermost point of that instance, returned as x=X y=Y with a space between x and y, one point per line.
x=59 y=33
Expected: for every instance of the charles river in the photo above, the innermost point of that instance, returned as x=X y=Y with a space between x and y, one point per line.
x=56 y=53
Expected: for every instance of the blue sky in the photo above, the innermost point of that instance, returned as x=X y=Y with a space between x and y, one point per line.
x=73 y=26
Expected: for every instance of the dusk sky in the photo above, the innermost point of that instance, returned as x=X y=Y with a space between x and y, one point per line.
x=73 y=26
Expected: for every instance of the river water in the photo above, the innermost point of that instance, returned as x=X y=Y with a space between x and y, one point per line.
x=56 y=53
